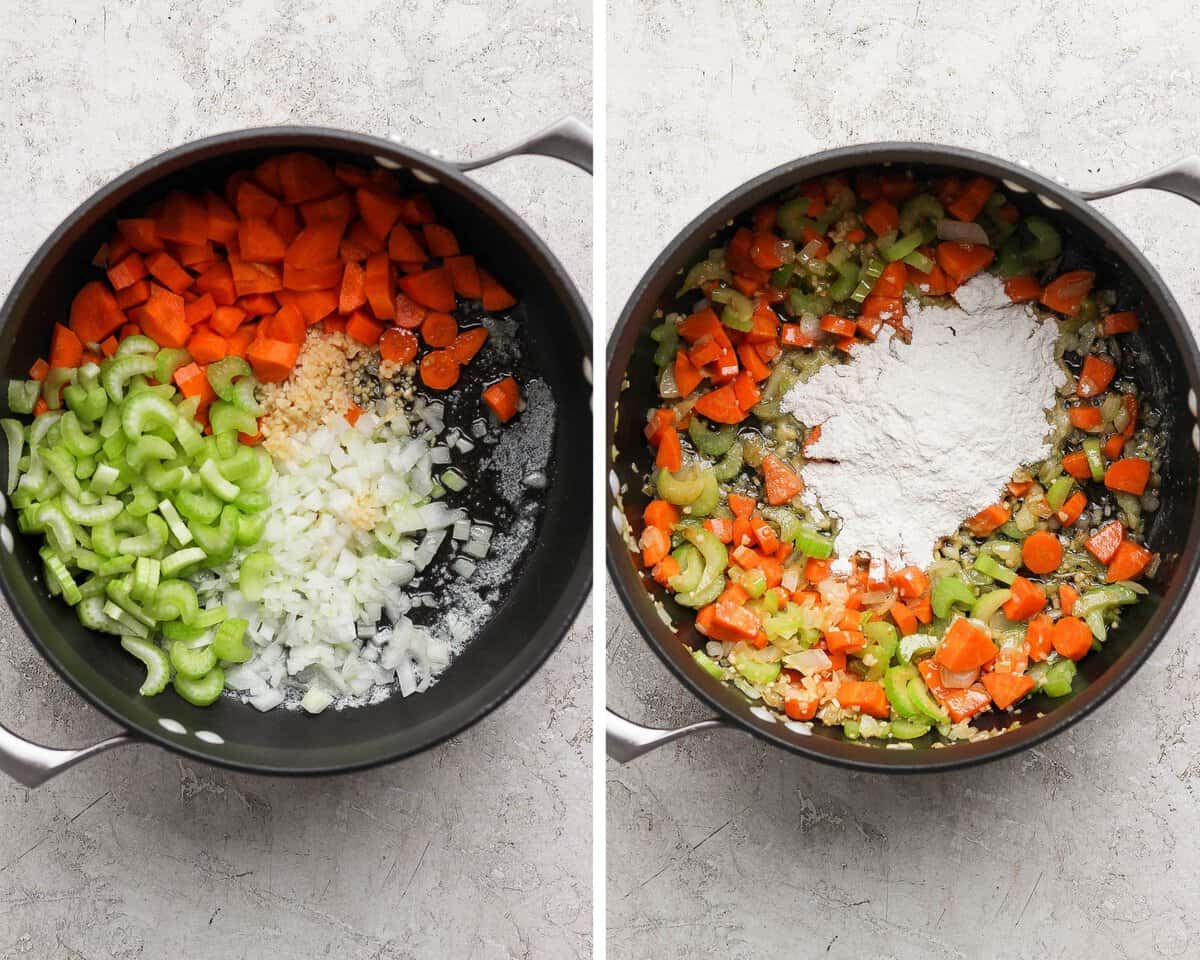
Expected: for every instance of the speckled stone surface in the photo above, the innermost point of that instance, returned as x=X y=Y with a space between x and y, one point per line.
x=1084 y=847
x=480 y=849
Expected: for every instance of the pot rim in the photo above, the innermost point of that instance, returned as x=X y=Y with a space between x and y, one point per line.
x=637 y=601
x=561 y=618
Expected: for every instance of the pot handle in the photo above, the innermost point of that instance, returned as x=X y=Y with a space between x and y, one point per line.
x=568 y=139
x=1181 y=178
x=626 y=740
x=32 y=764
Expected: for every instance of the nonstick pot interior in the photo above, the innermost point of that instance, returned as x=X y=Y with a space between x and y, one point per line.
x=549 y=585
x=1166 y=363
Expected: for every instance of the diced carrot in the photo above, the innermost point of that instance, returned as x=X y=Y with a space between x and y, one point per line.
x=251 y=277
x=430 y=288
x=225 y=320
x=891 y=282
x=664 y=570
x=1039 y=636
x=1027 y=599
x=464 y=276
x=1104 y=542
x=339 y=207
x=1124 y=322
x=1128 y=476
x=218 y=281
x=182 y=219
x=361 y=326
x=134 y=295
x=286 y=324
x=286 y=223
x=1085 y=417
x=1097 y=374
x=656 y=422
x=1041 y=552
x=1072 y=509
x=965 y=647
x=314 y=305
x=1113 y=447
x=167 y=271
x=304 y=279
x=910 y=582
x=206 y=345
x=1072 y=638
x=353 y=293
x=439 y=370
x=378 y=285
x=398 y=346
x=272 y=360
x=670 y=451
x=906 y=620
x=838 y=326
x=141 y=233
x=740 y=505
x=199 y=309
x=964 y=704
x=988 y=520
x=468 y=343
x=128 y=272
x=793 y=335
x=1076 y=464
x=253 y=202
x=866 y=696
x=687 y=377
x=353 y=412
x=1128 y=562
x=163 y=319
x=379 y=210
x=746 y=390
x=315 y=246
x=882 y=217
x=845 y=641
x=504 y=399
x=441 y=242
x=1067 y=595
x=960 y=261
x=66 y=349
x=969 y=204
x=403 y=245
x=439 y=329
x=303 y=177
x=1006 y=689
x=495 y=296
x=661 y=513
x=720 y=527
x=1066 y=293
x=720 y=406
x=781 y=482
x=1022 y=289
x=95 y=313
x=108 y=346
x=192 y=381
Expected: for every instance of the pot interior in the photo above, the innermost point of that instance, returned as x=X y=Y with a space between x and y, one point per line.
x=547 y=584
x=1164 y=359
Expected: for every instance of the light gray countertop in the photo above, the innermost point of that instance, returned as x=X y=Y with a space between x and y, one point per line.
x=478 y=849
x=1084 y=847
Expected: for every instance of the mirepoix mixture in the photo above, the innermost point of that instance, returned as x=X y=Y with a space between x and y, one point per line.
x=1009 y=602
x=239 y=450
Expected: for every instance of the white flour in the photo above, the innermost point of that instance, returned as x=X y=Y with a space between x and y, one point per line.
x=915 y=438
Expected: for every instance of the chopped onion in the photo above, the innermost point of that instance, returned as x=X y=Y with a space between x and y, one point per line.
x=959 y=679
x=961 y=232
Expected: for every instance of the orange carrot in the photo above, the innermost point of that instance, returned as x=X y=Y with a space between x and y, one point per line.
x=1066 y=293
x=108 y=346
x=961 y=261
x=910 y=582
x=222 y=221
x=845 y=641
x=746 y=391
x=1005 y=689
x=304 y=177
x=66 y=349
x=1097 y=374
x=182 y=219
x=252 y=201
x=398 y=346
x=439 y=330
x=141 y=233
x=838 y=326
x=363 y=328
x=1072 y=509
x=313 y=305
x=969 y=204
x=338 y=207
x=890 y=285
x=468 y=343
x=272 y=360
x=163 y=319
x=494 y=295
x=1104 y=542
x=192 y=381
x=286 y=324
x=94 y=313
x=662 y=514
x=882 y=217
x=1067 y=595
x=1085 y=418
x=687 y=377
x=965 y=647
x=1128 y=476
x=1027 y=599
x=1041 y=552
x=260 y=242
x=720 y=406
x=315 y=246
x=403 y=245
x=206 y=345
x=1021 y=289
x=1072 y=638
x=353 y=412
x=866 y=696
x=305 y=279
x=1076 y=464
x=1039 y=636
x=988 y=520
x=504 y=398
x=430 y=288
x=199 y=309
x=378 y=286
x=1128 y=562
x=217 y=280
x=781 y=482
x=464 y=276
x=253 y=277
x=128 y=272
x=906 y=620
x=378 y=210
x=664 y=570
x=439 y=370
x=225 y=320
x=1125 y=322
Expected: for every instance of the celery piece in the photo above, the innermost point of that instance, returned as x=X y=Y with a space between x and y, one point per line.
x=947 y=592
x=813 y=544
x=708 y=665
x=902 y=247
x=253 y=574
x=903 y=728
x=710 y=442
x=229 y=642
x=1058 y=679
x=895 y=685
x=136 y=345
x=691 y=569
x=202 y=691
x=990 y=567
x=867 y=278
x=158 y=666
x=192 y=662
x=755 y=671
x=14 y=438
x=224 y=416
x=1047 y=244
x=1095 y=458
x=120 y=370
x=923 y=701
x=224 y=373
x=22 y=395
x=210 y=476
x=251 y=527
x=1059 y=491
x=846 y=282
x=167 y=361
x=987 y=605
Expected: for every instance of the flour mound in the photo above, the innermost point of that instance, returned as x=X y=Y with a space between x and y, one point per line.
x=915 y=438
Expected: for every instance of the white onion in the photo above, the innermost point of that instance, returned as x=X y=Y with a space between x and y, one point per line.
x=958 y=679
x=957 y=230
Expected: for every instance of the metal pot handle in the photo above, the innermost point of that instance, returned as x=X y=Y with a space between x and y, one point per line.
x=568 y=139
x=1181 y=178
x=32 y=764
x=626 y=740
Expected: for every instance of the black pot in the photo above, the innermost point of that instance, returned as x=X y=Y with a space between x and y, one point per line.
x=1167 y=367
x=548 y=589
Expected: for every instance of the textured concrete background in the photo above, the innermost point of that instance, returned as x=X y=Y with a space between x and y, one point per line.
x=1085 y=847
x=480 y=849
